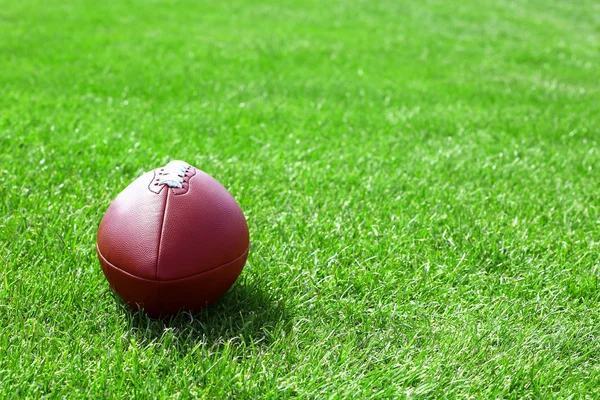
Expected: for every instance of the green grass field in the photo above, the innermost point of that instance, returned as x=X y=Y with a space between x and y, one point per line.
x=421 y=181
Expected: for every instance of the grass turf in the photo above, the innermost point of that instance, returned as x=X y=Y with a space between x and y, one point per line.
x=420 y=181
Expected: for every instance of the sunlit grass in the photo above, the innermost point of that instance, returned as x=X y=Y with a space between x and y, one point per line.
x=420 y=180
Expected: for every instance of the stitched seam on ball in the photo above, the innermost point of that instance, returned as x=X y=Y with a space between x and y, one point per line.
x=180 y=192
x=160 y=236
x=152 y=184
x=176 y=279
x=171 y=176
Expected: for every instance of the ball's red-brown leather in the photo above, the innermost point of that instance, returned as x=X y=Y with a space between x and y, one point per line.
x=168 y=249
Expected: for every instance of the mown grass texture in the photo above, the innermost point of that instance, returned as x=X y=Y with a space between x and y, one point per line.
x=420 y=180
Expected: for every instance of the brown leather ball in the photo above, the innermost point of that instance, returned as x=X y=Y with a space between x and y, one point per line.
x=174 y=239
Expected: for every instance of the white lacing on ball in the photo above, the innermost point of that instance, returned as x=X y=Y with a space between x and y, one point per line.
x=172 y=174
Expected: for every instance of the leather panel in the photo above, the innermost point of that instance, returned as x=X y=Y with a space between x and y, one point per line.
x=203 y=228
x=130 y=230
x=167 y=298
